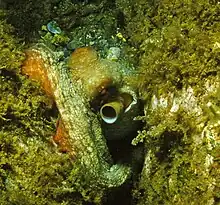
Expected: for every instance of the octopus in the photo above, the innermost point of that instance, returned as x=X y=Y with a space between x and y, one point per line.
x=73 y=83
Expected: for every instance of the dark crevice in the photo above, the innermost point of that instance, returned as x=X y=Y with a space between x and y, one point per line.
x=170 y=140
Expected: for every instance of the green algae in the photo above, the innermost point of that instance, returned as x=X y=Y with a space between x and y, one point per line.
x=177 y=41
x=177 y=45
x=25 y=162
x=176 y=171
x=32 y=171
x=11 y=55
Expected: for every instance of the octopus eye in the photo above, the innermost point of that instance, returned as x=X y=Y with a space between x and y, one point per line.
x=103 y=91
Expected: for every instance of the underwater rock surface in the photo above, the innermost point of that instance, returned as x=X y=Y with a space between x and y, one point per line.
x=176 y=46
x=187 y=133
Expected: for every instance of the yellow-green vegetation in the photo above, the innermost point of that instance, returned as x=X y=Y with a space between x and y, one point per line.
x=32 y=171
x=177 y=41
x=179 y=166
x=178 y=47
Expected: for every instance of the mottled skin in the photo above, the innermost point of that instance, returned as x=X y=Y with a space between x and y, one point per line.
x=81 y=124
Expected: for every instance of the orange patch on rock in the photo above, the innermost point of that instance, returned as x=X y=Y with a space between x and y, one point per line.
x=61 y=139
x=35 y=67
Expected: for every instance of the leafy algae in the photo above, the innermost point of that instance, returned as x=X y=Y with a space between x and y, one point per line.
x=176 y=46
x=176 y=43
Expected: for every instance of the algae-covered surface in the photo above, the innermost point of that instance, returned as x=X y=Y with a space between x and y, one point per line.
x=172 y=52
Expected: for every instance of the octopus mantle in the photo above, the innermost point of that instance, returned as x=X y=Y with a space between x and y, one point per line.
x=72 y=84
